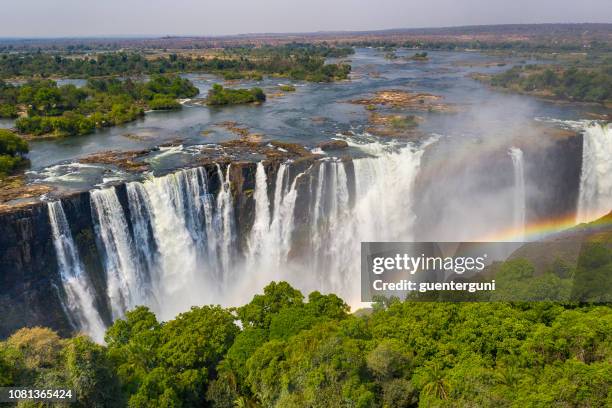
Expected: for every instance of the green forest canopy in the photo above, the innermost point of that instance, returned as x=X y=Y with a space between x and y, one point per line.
x=288 y=352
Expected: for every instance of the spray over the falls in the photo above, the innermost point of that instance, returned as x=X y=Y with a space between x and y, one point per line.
x=596 y=179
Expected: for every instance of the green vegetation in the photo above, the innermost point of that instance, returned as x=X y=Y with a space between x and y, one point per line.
x=219 y=95
x=288 y=352
x=12 y=150
x=402 y=122
x=420 y=56
x=287 y=88
x=163 y=102
x=67 y=110
x=588 y=84
x=296 y=61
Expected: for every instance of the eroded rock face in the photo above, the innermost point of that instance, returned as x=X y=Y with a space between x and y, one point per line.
x=29 y=279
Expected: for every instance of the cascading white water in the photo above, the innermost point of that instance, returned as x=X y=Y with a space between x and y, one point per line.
x=261 y=223
x=270 y=238
x=519 y=191
x=186 y=238
x=595 y=198
x=381 y=211
x=79 y=297
x=179 y=248
x=124 y=283
x=225 y=222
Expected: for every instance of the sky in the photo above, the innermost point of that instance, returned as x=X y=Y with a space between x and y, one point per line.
x=75 y=18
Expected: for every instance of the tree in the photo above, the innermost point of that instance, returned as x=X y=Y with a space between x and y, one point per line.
x=259 y=312
x=12 y=152
x=91 y=375
x=389 y=360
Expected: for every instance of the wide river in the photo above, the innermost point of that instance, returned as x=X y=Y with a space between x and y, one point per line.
x=317 y=112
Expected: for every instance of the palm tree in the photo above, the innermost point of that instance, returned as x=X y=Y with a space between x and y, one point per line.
x=437 y=386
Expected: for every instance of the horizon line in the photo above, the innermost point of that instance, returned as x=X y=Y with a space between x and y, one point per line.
x=283 y=33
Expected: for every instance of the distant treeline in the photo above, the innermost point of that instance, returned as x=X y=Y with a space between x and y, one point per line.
x=519 y=46
x=572 y=83
x=296 y=61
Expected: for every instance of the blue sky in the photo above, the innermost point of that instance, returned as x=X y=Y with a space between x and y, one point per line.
x=53 y=18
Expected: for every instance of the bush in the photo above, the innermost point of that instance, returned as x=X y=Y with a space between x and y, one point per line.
x=160 y=102
x=8 y=111
x=12 y=150
x=12 y=144
x=219 y=95
x=287 y=88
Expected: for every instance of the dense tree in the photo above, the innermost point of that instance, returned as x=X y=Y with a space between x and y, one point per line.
x=259 y=312
x=218 y=95
x=590 y=84
x=68 y=110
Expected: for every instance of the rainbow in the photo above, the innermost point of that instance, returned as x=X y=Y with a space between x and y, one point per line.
x=541 y=229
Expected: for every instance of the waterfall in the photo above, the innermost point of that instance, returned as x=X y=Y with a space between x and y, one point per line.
x=270 y=240
x=519 y=190
x=124 y=284
x=186 y=237
x=173 y=244
x=595 y=197
x=384 y=187
x=79 y=299
x=261 y=223
x=225 y=222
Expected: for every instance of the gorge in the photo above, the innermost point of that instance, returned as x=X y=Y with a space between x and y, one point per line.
x=219 y=232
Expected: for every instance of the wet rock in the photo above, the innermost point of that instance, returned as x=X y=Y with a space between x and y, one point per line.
x=14 y=192
x=235 y=128
x=406 y=100
x=332 y=145
x=124 y=160
x=393 y=125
